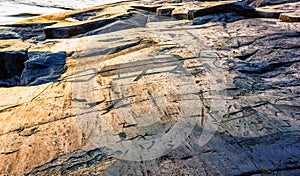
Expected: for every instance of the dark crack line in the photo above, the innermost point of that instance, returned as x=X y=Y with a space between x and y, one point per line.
x=8 y=153
x=47 y=122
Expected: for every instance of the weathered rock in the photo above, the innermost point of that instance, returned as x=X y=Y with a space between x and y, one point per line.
x=165 y=11
x=128 y=92
x=150 y=8
x=43 y=67
x=75 y=29
x=138 y=20
x=85 y=15
x=261 y=3
x=238 y=7
x=180 y=13
x=27 y=31
x=290 y=17
x=221 y=17
x=7 y=33
x=13 y=81
x=274 y=11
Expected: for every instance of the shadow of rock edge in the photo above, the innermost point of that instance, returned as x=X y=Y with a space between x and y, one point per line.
x=11 y=67
x=223 y=155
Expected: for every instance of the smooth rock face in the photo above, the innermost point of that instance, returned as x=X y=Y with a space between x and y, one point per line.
x=153 y=95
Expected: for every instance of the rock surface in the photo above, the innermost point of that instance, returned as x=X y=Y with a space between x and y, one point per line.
x=290 y=17
x=148 y=94
x=43 y=67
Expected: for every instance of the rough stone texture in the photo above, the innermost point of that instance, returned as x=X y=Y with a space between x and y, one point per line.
x=43 y=67
x=165 y=11
x=73 y=29
x=161 y=78
x=261 y=3
x=274 y=11
x=238 y=7
x=220 y=17
x=290 y=17
x=30 y=68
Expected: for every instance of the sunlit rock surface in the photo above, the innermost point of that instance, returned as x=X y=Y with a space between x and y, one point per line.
x=146 y=88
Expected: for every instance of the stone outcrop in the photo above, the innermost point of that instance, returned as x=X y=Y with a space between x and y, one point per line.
x=75 y=29
x=30 y=68
x=241 y=8
x=43 y=67
x=128 y=89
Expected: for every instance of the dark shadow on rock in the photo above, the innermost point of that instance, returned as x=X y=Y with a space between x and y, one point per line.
x=240 y=8
x=138 y=20
x=84 y=27
x=25 y=31
x=266 y=69
x=224 y=154
x=82 y=16
x=261 y=3
x=219 y=17
x=30 y=68
x=43 y=67
x=11 y=67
